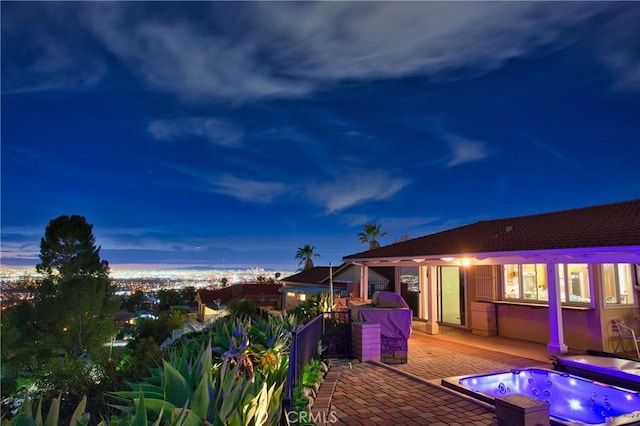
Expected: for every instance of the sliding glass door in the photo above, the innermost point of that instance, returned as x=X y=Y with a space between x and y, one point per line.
x=451 y=289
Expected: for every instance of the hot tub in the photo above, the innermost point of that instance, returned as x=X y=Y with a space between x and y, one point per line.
x=571 y=399
x=614 y=371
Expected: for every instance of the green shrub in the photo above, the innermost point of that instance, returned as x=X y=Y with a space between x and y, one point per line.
x=242 y=307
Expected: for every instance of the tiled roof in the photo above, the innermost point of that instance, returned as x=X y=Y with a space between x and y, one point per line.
x=607 y=225
x=320 y=274
x=314 y=275
x=239 y=291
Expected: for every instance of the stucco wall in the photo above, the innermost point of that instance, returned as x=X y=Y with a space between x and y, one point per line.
x=581 y=327
x=523 y=322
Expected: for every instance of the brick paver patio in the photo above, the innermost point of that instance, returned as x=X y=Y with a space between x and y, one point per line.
x=406 y=394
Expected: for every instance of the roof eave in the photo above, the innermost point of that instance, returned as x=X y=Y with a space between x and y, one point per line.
x=622 y=254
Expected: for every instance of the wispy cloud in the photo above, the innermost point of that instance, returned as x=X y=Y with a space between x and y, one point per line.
x=618 y=45
x=465 y=150
x=243 y=189
x=352 y=189
x=292 y=49
x=46 y=57
x=180 y=56
x=20 y=243
x=248 y=190
x=462 y=149
x=214 y=130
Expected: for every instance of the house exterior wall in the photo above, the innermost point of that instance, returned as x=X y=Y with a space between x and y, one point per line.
x=583 y=328
x=523 y=322
x=204 y=312
x=291 y=301
x=351 y=276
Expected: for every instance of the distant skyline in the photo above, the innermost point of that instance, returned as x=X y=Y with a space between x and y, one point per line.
x=228 y=134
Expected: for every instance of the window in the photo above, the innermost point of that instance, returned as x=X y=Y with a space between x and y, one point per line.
x=617 y=281
x=526 y=282
x=573 y=281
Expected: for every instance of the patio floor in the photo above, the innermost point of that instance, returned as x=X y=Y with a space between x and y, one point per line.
x=409 y=394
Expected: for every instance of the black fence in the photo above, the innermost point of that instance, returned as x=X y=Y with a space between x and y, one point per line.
x=304 y=347
x=378 y=286
x=328 y=335
x=336 y=339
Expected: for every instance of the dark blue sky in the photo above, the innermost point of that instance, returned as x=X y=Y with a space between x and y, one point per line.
x=230 y=134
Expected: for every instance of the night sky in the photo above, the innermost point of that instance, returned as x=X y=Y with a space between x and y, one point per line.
x=230 y=134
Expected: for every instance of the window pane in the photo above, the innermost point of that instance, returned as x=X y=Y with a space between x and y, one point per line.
x=617 y=281
x=609 y=283
x=511 y=282
x=562 y=282
x=541 y=274
x=529 y=287
x=578 y=283
x=625 y=283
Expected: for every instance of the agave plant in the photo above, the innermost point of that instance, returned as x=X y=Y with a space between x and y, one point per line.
x=195 y=391
x=30 y=415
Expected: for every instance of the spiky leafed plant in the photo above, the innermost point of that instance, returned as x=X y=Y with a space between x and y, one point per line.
x=196 y=392
x=370 y=235
x=236 y=379
x=305 y=255
x=30 y=415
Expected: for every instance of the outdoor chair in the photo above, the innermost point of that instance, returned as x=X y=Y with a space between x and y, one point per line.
x=623 y=333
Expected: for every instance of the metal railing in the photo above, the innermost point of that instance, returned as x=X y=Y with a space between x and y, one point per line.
x=378 y=286
x=336 y=338
x=331 y=330
x=304 y=347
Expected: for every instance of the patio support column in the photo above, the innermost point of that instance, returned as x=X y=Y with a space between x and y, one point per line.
x=429 y=284
x=398 y=288
x=364 y=282
x=556 y=334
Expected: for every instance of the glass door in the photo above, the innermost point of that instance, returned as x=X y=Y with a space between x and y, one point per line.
x=451 y=289
x=410 y=289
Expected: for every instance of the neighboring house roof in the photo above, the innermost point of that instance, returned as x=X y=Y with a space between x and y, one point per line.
x=209 y=296
x=255 y=292
x=608 y=225
x=319 y=275
x=315 y=275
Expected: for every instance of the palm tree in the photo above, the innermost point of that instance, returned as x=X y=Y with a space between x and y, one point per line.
x=370 y=235
x=305 y=254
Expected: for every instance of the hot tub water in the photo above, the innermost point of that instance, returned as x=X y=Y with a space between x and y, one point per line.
x=570 y=398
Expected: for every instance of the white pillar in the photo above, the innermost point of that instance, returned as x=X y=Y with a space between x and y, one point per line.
x=556 y=334
x=398 y=287
x=364 y=282
x=428 y=274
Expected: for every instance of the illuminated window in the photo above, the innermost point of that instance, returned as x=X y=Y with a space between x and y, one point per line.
x=525 y=282
x=528 y=283
x=573 y=282
x=617 y=282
